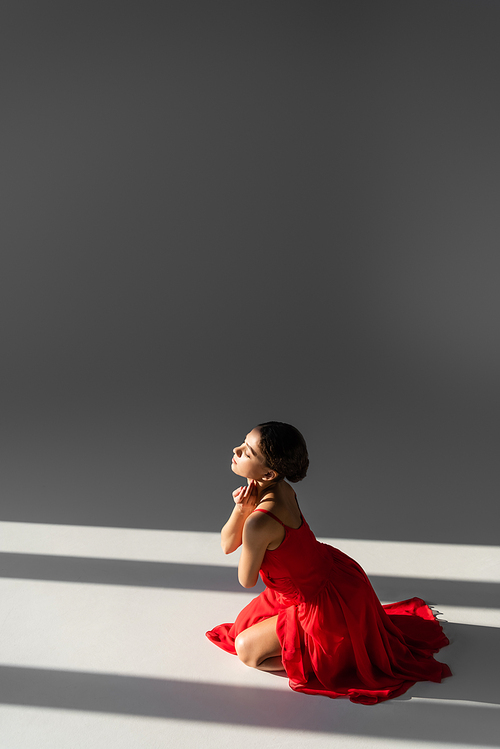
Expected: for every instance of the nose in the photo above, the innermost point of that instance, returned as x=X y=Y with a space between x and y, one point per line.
x=237 y=450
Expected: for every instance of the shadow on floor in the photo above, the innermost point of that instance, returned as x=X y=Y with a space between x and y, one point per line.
x=210 y=577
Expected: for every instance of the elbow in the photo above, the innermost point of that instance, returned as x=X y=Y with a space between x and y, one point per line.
x=245 y=582
x=227 y=548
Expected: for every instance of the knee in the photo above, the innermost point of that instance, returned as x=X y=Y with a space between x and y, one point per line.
x=243 y=650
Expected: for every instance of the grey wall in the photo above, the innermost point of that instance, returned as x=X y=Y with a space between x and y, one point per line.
x=218 y=213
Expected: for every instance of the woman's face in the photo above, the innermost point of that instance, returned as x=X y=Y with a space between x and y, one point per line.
x=248 y=460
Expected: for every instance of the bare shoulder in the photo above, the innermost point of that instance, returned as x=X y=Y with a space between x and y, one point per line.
x=257 y=521
x=259 y=526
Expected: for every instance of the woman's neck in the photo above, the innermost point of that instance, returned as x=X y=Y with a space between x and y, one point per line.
x=265 y=487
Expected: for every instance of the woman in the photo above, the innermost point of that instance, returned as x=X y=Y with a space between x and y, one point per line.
x=319 y=618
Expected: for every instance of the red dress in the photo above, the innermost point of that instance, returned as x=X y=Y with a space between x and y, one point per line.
x=336 y=637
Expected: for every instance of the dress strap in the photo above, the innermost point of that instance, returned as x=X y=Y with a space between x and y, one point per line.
x=268 y=512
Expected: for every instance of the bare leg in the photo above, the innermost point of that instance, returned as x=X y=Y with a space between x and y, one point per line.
x=259 y=647
x=271 y=664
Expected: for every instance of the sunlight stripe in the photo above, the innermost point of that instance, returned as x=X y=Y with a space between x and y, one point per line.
x=390 y=558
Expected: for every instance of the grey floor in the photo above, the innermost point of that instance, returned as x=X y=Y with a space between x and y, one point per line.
x=102 y=645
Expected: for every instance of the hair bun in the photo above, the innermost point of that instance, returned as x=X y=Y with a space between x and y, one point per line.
x=297 y=475
x=284 y=450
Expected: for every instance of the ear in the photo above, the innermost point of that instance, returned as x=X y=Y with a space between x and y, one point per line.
x=269 y=476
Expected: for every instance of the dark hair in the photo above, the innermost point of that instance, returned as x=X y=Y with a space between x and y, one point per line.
x=284 y=449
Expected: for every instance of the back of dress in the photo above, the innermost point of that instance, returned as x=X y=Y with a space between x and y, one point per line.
x=300 y=567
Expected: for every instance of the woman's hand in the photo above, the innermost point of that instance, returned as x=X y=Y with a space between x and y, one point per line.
x=246 y=496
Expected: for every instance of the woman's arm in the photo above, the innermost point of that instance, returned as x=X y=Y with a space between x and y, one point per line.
x=245 y=498
x=258 y=532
